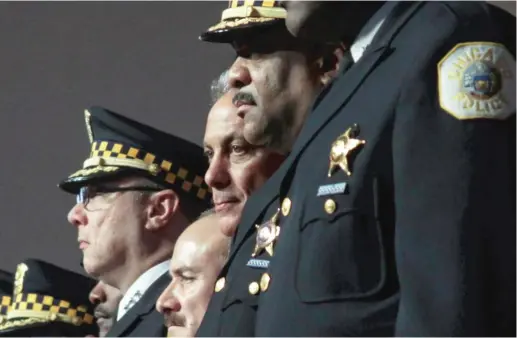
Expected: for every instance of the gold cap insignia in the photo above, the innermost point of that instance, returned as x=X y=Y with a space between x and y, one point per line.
x=87 y=117
x=21 y=270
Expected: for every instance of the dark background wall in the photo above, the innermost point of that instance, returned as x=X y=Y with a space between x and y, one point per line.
x=142 y=59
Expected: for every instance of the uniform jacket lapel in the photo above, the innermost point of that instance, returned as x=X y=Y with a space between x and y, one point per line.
x=347 y=84
x=144 y=306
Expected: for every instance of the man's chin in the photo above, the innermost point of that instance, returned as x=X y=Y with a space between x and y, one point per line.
x=254 y=130
x=90 y=268
x=180 y=331
x=230 y=220
x=104 y=326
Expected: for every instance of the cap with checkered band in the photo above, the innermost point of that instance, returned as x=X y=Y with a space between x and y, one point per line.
x=6 y=290
x=120 y=146
x=45 y=294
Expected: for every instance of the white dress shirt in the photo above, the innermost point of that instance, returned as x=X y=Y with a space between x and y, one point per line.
x=367 y=33
x=140 y=286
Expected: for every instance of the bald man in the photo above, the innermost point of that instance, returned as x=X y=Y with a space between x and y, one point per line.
x=199 y=255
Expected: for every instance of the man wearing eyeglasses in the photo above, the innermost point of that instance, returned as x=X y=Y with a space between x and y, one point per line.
x=136 y=192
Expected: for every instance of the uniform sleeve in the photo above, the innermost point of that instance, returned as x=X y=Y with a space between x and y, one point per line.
x=454 y=177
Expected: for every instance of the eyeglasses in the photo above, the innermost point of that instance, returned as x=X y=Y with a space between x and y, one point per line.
x=87 y=193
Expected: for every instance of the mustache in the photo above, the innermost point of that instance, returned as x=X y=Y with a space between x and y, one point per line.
x=101 y=311
x=220 y=196
x=245 y=98
x=174 y=319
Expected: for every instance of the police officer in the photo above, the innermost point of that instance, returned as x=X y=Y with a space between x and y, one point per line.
x=136 y=192
x=106 y=300
x=49 y=301
x=6 y=291
x=261 y=86
x=396 y=213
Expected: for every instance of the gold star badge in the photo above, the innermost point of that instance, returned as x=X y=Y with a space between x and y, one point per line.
x=266 y=235
x=342 y=147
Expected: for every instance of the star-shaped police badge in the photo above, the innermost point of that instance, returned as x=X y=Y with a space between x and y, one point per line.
x=267 y=233
x=342 y=147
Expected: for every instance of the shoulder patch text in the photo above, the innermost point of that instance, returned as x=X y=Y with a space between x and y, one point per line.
x=477 y=80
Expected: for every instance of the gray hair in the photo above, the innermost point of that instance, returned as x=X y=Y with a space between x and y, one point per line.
x=219 y=86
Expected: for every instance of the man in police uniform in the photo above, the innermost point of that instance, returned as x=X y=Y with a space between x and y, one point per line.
x=397 y=213
x=106 y=299
x=6 y=291
x=48 y=301
x=137 y=191
x=282 y=84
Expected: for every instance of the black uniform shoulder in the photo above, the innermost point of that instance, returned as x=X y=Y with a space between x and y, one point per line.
x=482 y=14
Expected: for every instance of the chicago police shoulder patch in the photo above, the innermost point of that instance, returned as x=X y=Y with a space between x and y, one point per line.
x=477 y=80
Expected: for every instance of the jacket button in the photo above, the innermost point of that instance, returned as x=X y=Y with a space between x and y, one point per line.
x=264 y=282
x=219 y=285
x=253 y=288
x=286 y=206
x=330 y=206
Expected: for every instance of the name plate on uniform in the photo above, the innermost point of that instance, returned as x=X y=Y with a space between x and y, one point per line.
x=332 y=189
x=258 y=263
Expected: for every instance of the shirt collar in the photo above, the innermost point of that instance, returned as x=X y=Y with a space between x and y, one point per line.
x=368 y=32
x=138 y=288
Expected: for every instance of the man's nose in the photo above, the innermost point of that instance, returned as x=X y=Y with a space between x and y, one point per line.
x=217 y=175
x=77 y=215
x=239 y=75
x=97 y=295
x=167 y=302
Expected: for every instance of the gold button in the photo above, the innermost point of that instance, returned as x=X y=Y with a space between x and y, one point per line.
x=219 y=285
x=286 y=206
x=76 y=321
x=253 y=288
x=330 y=206
x=52 y=316
x=264 y=281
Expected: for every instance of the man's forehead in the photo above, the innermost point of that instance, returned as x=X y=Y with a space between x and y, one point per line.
x=224 y=109
x=223 y=124
x=187 y=258
x=194 y=243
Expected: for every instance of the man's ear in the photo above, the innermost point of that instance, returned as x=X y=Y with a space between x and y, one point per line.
x=161 y=208
x=328 y=64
